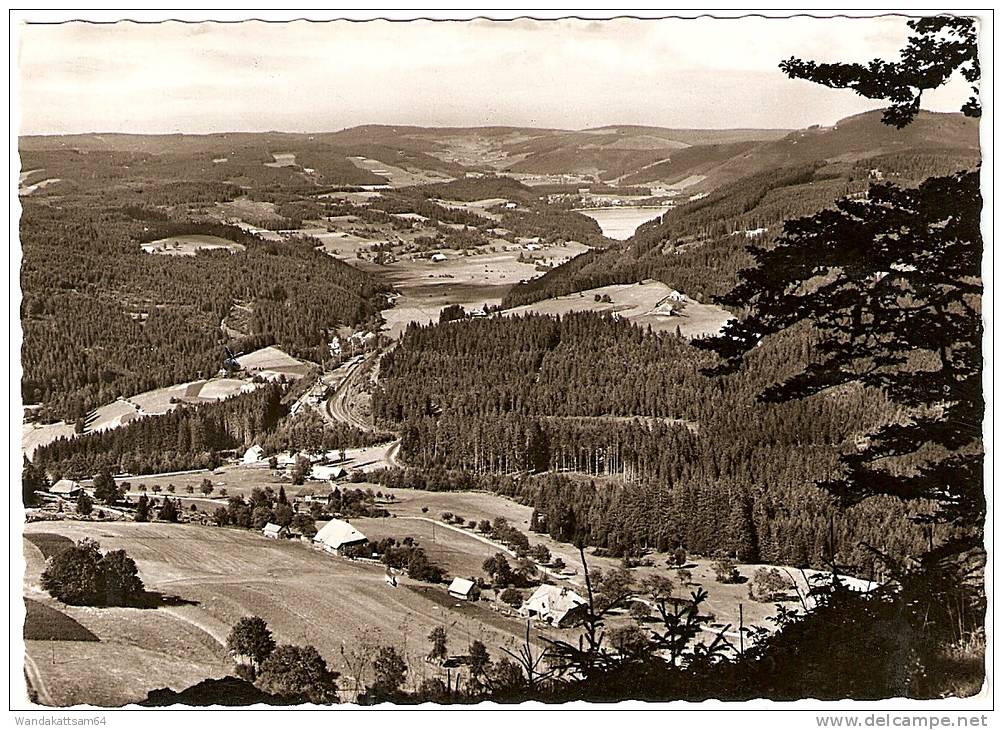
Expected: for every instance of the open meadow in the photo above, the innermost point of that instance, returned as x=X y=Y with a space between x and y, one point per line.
x=122 y=411
x=471 y=281
x=218 y=575
x=723 y=600
x=189 y=245
x=648 y=303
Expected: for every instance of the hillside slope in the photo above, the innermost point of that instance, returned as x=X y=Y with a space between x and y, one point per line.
x=699 y=247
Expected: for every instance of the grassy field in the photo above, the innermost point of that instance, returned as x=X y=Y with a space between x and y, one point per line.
x=304 y=595
x=189 y=245
x=135 y=649
x=45 y=623
x=150 y=403
x=222 y=574
x=271 y=362
x=471 y=281
x=242 y=478
x=476 y=207
x=648 y=303
x=397 y=177
x=460 y=554
x=48 y=543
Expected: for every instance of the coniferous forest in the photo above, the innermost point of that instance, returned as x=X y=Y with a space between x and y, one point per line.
x=834 y=422
x=103 y=319
x=641 y=447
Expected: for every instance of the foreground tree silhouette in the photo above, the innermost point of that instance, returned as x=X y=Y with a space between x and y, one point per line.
x=938 y=47
x=892 y=285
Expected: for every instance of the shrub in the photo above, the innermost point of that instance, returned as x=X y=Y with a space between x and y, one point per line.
x=726 y=571
x=512 y=597
x=85 y=505
x=768 y=584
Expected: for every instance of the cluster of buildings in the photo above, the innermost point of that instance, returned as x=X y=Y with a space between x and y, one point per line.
x=335 y=537
x=558 y=606
x=322 y=468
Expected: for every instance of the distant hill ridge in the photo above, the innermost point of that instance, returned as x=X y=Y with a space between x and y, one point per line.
x=748 y=190
x=698 y=160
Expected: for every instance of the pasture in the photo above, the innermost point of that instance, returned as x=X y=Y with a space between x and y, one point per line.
x=122 y=411
x=475 y=207
x=459 y=552
x=306 y=596
x=723 y=600
x=190 y=245
x=398 y=177
x=282 y=159
x=242 y=478
x=471 y=281
x=45 y=623
x=647 y=303
x=272 y=363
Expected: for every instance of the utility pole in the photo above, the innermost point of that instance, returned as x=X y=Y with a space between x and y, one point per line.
x=741 y=630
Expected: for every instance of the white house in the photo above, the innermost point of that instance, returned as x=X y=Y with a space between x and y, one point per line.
x=274 y=532
x=253 y=454
x=337 y=535
x=66 y=488
x=463 y=589
x=324 y=473
x=438 y=258
x=555 y=605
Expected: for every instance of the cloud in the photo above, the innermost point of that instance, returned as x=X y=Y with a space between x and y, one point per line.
x=304 y=76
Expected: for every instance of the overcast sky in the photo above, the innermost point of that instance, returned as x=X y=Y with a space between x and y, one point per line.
x=301 y=76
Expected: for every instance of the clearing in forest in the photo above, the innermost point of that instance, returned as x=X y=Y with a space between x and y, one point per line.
x=646 y=303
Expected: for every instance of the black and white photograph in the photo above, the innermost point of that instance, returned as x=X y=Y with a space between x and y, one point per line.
x=480 y=361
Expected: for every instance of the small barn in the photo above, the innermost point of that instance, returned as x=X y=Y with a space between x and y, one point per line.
x=66 y=489
x=286 y=458
x=555 y=605
x=253 y=455
x=324 y=473
x=337 y=535
x=275 y=532
x=464 y=589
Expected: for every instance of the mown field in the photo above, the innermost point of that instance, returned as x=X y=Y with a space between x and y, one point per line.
x=123 y=411
x=110 y=656
x=224 y=574
x=649 y=303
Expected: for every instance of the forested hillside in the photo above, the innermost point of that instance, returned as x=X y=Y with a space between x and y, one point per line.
x=102 y=319
x=674 y=457
x=699 y=246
